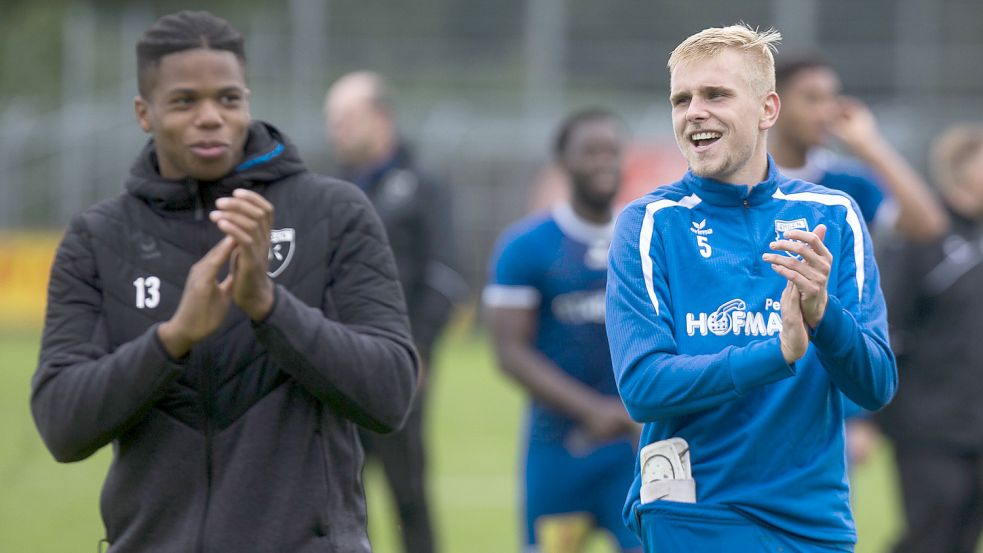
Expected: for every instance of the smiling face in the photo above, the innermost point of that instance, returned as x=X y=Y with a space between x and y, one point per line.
x=592 y=158
x=719 y=119
x=198 y=113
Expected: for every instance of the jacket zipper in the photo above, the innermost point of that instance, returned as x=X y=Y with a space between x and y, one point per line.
x=206 y=402
x=199 y=201
x=319 y=436
x=755 y=261
x=206 y=399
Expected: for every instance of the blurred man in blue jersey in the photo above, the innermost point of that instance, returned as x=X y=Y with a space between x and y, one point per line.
x=892 y=196
x=889 y=192
x=742 y=307
x=545 y=301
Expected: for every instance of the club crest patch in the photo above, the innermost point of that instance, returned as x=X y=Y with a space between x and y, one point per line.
x=282 y=246
x=781 y=227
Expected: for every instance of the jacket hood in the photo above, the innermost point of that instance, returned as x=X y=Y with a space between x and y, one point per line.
x=269 y=156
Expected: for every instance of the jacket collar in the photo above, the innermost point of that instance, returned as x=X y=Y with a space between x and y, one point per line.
x=580 y=229
x=726 y=194
x=269 y=156
x=368 y=178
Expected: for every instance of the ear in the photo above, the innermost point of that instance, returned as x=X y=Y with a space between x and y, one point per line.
x=957 y=195
x=770 y=106
x=142 y=110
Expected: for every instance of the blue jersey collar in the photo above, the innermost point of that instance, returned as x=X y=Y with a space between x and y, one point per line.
x=722 y=193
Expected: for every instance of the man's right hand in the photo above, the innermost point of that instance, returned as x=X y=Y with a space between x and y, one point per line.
x=794 y=338
x=204 y=302
x=608 y=419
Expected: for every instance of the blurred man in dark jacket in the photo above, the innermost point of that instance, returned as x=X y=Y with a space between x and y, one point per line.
x=935 y=297
x=417 y=214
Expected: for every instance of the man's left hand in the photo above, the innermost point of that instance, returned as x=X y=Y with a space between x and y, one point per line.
x=247 y=217
x=811 y=274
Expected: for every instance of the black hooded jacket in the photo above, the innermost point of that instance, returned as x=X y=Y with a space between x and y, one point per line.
x=248 y=444
x=418 y=215
x=934 y=293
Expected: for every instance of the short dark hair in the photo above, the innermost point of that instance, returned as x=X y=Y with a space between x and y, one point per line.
x=574 y=120
x=184 y=30
x=788 y=66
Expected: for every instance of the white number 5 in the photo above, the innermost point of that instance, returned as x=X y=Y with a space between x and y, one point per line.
x=148 y=292
x=705 y=249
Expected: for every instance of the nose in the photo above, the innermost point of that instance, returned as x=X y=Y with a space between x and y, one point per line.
x=696 y=110
x=209 y=115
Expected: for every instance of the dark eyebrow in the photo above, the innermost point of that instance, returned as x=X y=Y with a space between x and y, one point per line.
x=710 y=89
x=195 y=92
x=232 y=88
x=704 y=90
x=182 y=92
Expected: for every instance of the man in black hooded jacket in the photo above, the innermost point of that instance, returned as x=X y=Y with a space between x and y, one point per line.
x=416 y=211
x=934 y=293
x=225 y=324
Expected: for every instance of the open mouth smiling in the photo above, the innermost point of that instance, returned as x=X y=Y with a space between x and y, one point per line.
x=703 y=139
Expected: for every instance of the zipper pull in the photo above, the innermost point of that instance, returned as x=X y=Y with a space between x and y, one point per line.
x=199 y=203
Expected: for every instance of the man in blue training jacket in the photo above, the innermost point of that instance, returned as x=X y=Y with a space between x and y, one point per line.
x=893 y=198
x=742 y=306
x=545 y=305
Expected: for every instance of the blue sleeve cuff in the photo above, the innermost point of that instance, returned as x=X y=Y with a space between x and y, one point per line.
x=757 y=364
x=834 y=335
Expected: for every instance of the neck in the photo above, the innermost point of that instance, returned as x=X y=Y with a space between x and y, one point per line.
x=589 y=212
x=787 y=153
x=754 y=170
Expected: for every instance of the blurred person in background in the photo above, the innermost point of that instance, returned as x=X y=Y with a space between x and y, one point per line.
x=893 y=197
x=417 y=213
x=545 y=304
x=935 y=297
x=225 y=324
x=890 y=193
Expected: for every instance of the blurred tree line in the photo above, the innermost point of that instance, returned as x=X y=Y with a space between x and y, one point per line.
x=33 y=34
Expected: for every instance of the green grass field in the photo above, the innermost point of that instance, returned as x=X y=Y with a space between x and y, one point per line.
x=473 y=423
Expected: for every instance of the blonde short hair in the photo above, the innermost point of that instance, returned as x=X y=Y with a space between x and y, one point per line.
x=758 y=45
x=952 y=150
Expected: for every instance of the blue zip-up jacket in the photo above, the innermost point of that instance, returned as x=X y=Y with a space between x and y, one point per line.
x=693 y=319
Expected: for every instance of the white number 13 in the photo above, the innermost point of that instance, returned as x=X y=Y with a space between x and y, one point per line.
x=148 y=292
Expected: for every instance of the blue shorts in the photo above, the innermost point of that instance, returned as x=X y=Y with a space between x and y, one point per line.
x=595 y=483
x=672 y=527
